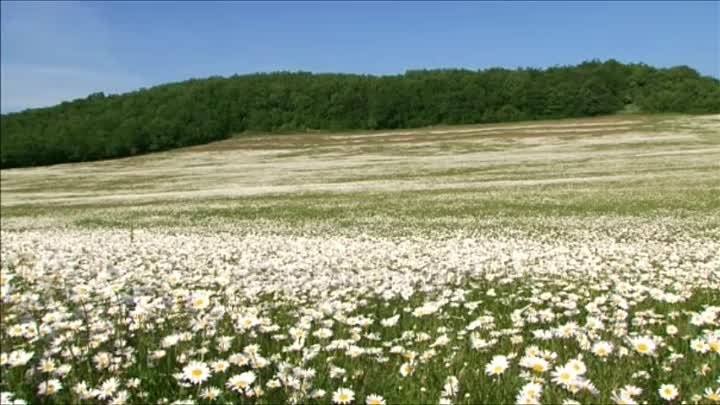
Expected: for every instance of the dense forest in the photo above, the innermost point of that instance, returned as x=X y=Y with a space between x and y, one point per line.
x=199 y=111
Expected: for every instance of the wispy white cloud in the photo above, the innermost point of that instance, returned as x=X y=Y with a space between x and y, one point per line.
x=53 y=52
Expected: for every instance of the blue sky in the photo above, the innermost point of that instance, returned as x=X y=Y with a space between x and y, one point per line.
x=58 y=51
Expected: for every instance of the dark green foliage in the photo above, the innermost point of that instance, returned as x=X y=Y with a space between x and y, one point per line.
x=200 y=111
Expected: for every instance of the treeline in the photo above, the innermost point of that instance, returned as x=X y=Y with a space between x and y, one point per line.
x=199 y=111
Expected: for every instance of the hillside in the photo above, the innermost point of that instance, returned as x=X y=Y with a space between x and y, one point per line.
x=678 y=152
x=200 y=111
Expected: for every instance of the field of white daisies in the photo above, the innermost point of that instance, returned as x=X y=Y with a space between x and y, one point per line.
x=591 y=278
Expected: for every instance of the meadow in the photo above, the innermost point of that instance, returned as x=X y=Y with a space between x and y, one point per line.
x=554 y=262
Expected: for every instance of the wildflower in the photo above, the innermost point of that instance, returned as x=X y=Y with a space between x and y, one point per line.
x=238 y=359
x=711 y=395
x=373 y=399
x=219 y=366
x=19 y=358
x=632 y=390
x=699 y=345
x=210 y=393
x=577 y=366
x=336 y=372
x=199 y=301
x=49 y=387
x=251 y=350
x=107 y=388
x=355 y=351
x=389 y=322
x=643 y=345
x=406 y=369
x=497 y=366
x=532 y=389
x=529 y=393
x=247 y=322
x=102 y=360
x=241 y=381
x=668 y=392
x=563 y=375
x=450 y=389
x=343 y=396
x=323 y=333
x=196 y=372
x=441 y=341
x=170 y=341
x=703 y=370
x=63 y=370
x=602 y=349
x=535 y=363
x=714 y=344
x=47 y=366
x=6 y=398
x=478 y=343
x=317 y=394
x=567 y=330
x=593 y=323
x=622 y=398
x=81 y=389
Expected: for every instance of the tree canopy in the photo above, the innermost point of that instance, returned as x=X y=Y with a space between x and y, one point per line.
x=198 y=111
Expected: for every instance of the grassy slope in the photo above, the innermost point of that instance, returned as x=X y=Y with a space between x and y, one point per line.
x=458 y=176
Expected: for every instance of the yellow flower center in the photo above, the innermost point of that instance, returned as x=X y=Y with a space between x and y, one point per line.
x=642 y=348
x=196 y=373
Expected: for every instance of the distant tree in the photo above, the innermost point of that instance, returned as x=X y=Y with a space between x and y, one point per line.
x=202 y=110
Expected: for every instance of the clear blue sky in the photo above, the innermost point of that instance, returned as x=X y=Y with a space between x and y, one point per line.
x=57 y=51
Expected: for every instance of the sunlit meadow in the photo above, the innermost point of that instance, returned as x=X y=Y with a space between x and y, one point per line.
x=555 y=263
